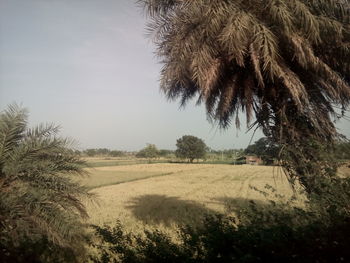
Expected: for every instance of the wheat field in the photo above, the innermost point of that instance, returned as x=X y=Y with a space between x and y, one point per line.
x=177 y=194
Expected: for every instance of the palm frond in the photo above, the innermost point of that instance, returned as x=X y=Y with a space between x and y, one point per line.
x=13 y=123
x=286 y=62
x=39 y=199
x=282 y=42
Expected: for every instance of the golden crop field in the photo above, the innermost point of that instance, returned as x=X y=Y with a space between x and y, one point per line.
x=176 y=194
x=109 y=175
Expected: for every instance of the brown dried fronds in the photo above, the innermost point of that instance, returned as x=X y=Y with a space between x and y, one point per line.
x=287 y=52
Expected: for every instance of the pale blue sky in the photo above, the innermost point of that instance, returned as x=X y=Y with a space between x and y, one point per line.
x=88 y=66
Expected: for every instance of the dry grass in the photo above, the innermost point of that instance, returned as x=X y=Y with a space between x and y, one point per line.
x=344 y=171
x=110 y=175
x=183 y=196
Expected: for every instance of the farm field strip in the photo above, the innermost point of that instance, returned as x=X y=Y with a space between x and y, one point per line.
x=183 y=196
x=115 y=161
x=108 y=175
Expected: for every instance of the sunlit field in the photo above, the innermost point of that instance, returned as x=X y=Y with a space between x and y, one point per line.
x=115 y=161
x=110 y=175
x=344 y=171
x=177 y=194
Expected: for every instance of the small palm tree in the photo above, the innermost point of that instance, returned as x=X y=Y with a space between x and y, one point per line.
x=38 y=198
x=284 y=62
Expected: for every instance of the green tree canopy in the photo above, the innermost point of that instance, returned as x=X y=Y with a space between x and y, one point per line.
x=149 y=152
x=97 y=152
x=40 y=203
x=165 y=152
x=190 y=147
x=90 y=152
x=266 y=149
x=116 y=153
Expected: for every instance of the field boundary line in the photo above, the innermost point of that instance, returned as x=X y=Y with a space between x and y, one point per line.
x=146 y=177
x=131 y=180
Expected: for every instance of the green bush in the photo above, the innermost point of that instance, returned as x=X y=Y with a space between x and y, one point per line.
x=270 y=232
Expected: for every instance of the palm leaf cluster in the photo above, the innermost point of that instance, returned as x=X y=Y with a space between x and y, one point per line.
x=284 y=62
x=38 y=199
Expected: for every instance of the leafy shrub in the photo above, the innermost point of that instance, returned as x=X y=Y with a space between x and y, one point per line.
x=149 y=152
x=272 y=232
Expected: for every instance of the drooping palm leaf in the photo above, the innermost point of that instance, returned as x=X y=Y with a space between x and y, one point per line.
x=265 y=57
x=285 y=63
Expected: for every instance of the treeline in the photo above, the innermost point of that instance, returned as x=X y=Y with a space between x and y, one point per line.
x=269 y=151
x=189 y=148
x=102 y=152
x=263 y=148
x=150 y=151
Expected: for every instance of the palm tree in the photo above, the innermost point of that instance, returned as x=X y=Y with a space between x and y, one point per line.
x=39 y=201
x=284 y=62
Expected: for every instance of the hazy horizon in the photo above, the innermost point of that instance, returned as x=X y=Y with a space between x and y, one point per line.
x=88 y=67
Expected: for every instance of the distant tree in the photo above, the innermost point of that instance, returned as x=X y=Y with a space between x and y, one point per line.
x=90 y=152
x=40 y=205
x=102 y=151
x=149 y=152
x=165 y=153
x=190 y=147
x=97 y=152
x=264 y=148
x=116 y=153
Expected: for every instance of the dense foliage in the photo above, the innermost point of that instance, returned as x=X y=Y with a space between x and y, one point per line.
x=284 y=62
x=264 y=148
x=274 y=58
x=342 y=150
x=166 y=153
x=149 y=152
x=190 y=147
x=102 y=152
x=40 y=205
x=261 y=232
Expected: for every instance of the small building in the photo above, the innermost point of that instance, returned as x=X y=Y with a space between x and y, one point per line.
x=253 y=160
